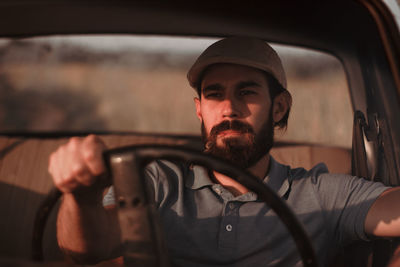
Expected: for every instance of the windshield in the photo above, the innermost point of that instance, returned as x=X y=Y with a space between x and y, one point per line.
x=138 y=84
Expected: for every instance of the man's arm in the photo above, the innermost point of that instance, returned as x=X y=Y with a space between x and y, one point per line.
x=86 y=231
x=383 y=218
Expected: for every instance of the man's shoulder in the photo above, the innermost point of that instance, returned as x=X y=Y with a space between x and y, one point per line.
x=165 y=169
x=168 y=164
x=316 y=171
x=297 y=173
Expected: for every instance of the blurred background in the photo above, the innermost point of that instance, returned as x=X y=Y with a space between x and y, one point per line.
x=138 y=84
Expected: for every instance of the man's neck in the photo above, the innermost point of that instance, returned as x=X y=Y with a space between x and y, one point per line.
x=259 y=170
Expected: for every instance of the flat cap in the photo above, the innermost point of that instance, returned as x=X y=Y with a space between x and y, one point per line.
x=245 y=51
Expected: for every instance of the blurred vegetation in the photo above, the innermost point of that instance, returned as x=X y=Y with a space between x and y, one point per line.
x=46 y=87
x=46 y=111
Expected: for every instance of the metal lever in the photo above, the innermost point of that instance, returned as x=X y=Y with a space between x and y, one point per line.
x=140 y=230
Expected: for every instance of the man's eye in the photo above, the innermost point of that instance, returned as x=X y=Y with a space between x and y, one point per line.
x=246 y=92
x=214 y=95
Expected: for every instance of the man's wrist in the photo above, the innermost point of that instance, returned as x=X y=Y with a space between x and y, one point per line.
x=86 y=196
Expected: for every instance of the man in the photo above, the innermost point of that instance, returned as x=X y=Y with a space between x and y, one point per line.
x=209 y=219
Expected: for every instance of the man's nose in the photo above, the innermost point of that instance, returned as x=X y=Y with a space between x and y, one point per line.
x=230 y=108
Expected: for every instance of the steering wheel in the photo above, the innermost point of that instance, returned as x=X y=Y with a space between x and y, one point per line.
x=139 y=227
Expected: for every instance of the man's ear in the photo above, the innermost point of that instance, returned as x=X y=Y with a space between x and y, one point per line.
x=197 y=102
x=282 y=103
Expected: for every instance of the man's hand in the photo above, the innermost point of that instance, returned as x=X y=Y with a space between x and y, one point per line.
x=77 y=164
x=87 y=232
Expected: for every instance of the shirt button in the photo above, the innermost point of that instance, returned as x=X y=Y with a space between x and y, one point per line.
x=228 y=227
x=231 y=206
x=218 y=191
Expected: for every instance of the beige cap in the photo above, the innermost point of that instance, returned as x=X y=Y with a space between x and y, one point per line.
x=245 y=51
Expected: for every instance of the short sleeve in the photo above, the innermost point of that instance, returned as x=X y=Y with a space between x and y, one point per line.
x=109 y=197
x=346 y=201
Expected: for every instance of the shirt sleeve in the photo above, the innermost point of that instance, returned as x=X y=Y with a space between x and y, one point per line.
x=346 y=201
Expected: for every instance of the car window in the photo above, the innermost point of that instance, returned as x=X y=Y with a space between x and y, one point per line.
x=138 y=83
x=394 y=7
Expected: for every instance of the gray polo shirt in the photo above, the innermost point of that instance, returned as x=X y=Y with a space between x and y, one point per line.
x=205 y=225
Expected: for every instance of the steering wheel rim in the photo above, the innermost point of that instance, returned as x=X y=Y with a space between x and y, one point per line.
x=138 y=156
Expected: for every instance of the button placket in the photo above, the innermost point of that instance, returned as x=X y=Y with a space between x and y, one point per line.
x=228 y=227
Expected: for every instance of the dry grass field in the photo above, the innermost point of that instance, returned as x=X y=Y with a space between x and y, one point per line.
x=45 y=87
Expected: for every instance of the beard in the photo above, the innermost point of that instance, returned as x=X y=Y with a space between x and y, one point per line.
x=243 y=150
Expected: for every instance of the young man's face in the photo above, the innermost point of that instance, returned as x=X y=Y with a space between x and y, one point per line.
x=235 y=112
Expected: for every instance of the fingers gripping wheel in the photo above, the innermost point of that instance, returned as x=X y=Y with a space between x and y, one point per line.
x=139 y=228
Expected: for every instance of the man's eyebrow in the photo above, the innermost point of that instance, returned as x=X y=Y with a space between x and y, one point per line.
x=212 y=87
x=245 y=84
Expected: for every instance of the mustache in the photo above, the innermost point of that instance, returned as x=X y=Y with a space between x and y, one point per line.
x=234 y=125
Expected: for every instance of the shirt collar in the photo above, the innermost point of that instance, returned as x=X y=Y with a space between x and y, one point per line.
x=276 y=179
x=199 y=179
